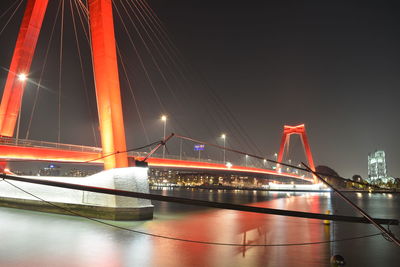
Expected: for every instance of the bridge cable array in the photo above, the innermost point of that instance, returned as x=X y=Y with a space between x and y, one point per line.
x=180 y=78
x=12 y=14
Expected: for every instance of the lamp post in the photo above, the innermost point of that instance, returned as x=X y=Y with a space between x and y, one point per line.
x=247 y=156
x=22 y=77
x=223 y=136
x=164 y=119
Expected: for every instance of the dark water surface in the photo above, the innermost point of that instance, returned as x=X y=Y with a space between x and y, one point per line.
x=40 y=239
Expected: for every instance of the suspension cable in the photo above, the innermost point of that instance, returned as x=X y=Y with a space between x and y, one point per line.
x=169 y=66
x=222 y=109
x=60 y=71
x=12 y=15
x=133 y=95
x=155 y=62
x=91 y=116
x=83 y=10
x=39 y=85
x=9 y=8
x=386 y=233
x=147 y=74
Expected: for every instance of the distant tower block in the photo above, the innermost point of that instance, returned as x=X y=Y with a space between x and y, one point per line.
x=300 y=130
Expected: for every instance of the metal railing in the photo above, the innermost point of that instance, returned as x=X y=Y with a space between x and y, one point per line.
x=204 y=160
x=81 y=148
x=8 y=141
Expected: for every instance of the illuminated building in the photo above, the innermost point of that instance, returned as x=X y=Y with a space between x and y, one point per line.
x=164 y=177
x=51 y=170
x=377 y=167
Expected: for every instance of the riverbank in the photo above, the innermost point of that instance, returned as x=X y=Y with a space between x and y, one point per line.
x=287 y=189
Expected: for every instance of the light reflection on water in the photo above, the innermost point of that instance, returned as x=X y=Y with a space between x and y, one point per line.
x=40 y=239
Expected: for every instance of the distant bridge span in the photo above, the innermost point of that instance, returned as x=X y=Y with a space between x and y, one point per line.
x=29 y=150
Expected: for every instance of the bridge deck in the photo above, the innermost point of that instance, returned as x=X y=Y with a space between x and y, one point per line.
x=11 y=149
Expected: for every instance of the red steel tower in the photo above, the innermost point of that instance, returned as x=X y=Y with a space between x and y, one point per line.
x=299 y=130
x=106 y=76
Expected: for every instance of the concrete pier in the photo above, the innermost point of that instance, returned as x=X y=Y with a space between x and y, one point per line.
x=94 y=205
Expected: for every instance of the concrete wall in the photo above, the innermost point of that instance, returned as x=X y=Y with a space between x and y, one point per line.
x=130 y=179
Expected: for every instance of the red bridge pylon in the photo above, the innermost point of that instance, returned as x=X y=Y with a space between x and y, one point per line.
x=299 y=130
x=105 y=71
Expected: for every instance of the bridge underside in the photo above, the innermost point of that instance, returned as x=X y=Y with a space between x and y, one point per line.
x=11 y=152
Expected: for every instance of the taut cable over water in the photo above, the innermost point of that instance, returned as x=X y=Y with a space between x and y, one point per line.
x=384 y=231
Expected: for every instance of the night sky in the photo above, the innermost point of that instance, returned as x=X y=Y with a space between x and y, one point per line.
x=244 y=68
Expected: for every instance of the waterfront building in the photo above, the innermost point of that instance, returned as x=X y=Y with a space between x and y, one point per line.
x=377 y=171
x=50 y=170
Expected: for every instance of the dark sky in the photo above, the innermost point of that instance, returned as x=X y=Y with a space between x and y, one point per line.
x=246 y=68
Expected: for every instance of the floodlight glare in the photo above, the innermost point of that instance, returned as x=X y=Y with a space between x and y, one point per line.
x=22 y=77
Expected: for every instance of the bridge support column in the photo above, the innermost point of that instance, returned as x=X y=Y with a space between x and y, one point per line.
x=20 y=64
x=300 y=130
x=105 y=68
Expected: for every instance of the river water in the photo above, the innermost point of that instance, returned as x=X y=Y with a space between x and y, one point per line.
x=40 y=239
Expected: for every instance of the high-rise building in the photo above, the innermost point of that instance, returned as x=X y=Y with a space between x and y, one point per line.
x=377 y=166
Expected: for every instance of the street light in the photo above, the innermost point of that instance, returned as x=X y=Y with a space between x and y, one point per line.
x=223 y=136
x=164 y=119
x=22 y=77
x=247 y=156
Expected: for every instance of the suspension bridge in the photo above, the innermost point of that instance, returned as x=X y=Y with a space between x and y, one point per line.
x=123 y=50
x=107 y=59
x=97 y=22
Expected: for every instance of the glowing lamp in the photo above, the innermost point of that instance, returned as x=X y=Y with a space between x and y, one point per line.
x=22 y=77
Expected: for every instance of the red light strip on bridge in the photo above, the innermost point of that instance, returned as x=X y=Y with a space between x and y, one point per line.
x=157 y=162
x=67 y=156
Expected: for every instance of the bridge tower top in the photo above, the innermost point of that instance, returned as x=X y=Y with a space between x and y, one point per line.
x=301 y=131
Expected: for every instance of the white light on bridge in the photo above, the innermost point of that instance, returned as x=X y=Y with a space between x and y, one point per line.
x=229 y=165
x=22 y=77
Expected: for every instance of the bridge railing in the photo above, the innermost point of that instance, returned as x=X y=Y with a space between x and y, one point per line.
x=258 y=165
x=44 y=144
x=53 y=145
x=196 y=159
x=177 y=157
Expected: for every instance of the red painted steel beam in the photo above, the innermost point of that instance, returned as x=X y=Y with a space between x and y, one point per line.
x=8 y=152
x=48 y=154
x=183 y=164
x=105 y=68
x=307 y=148
x=282 y=147
x=299 y=130
x=20 y=64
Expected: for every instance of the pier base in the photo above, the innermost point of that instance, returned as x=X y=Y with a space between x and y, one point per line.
x=89 y=204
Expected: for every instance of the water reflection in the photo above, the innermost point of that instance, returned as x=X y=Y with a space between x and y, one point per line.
x=40 y=239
